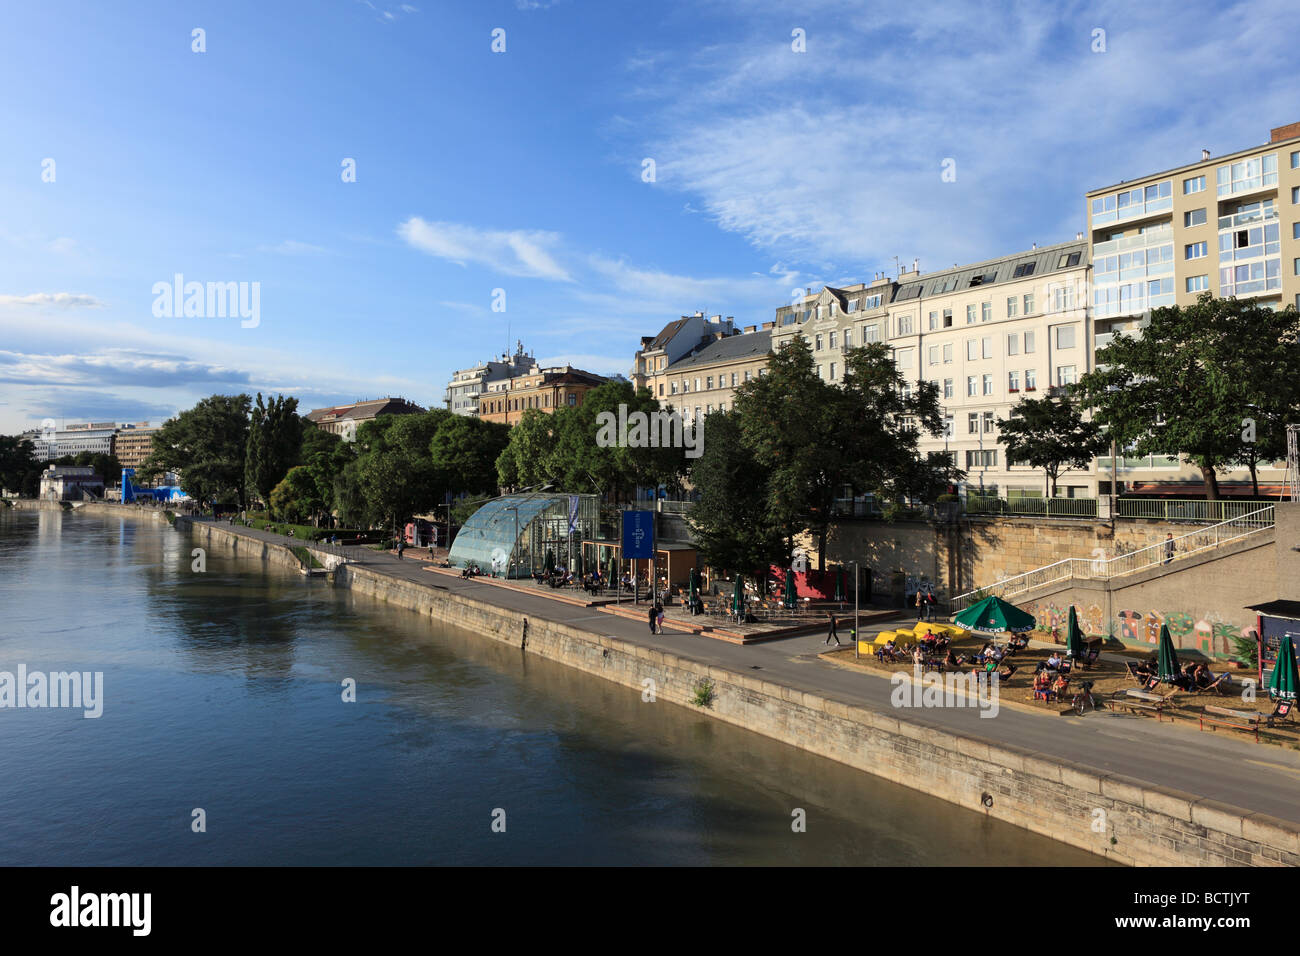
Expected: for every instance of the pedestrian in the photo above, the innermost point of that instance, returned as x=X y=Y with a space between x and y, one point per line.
x=431 y=551
x=654 y=617
x=1169 y=547
x=400 y=544
x=832 y=633
x=920 y=603
x=930 y=602
x=660 y=617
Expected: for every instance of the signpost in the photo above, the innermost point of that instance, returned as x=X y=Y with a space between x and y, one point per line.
x=638 y=543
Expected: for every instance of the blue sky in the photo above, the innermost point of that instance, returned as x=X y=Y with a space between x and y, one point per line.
x=522 y=171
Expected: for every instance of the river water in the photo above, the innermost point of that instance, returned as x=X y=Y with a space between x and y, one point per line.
x=223 y=692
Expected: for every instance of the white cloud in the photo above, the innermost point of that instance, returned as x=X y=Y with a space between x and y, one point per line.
x=60 y=300
x=292 y=247
x=518 y=252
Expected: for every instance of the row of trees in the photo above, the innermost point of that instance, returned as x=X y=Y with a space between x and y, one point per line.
x=1213 y=382
x=21 y=473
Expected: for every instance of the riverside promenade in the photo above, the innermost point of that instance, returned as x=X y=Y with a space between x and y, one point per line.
x=1179 y=757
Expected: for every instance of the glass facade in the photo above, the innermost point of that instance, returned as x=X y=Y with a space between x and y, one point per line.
x=510 y=536
x=1132 y=203
x=1250 y=251
x=1134 y=273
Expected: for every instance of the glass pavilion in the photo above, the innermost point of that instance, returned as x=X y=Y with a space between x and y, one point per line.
x=511 y=536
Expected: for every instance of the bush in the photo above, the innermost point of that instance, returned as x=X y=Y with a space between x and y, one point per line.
x=705 y=693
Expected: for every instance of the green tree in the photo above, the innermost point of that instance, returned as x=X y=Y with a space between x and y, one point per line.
x=465 y=450
x=1180 y=385
x=205 y=446
x=396 y=472
x=529 y=459
x=1050 y=433
x=19 y=472
x=297 y=496
x=274 y=443
x=731 y=520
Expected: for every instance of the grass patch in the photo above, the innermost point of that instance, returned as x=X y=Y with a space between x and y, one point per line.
x=303 y=532
x=305 y=557
x=171 y=517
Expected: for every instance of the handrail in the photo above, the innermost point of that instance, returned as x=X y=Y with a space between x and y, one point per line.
x=1194 y=542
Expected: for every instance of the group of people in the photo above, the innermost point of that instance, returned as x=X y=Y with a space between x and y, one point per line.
x=656 y=615
x=925 y=603
x=1050 y=684
x=1191 y=677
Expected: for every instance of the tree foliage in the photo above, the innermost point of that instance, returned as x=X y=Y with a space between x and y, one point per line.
x=205 y=446
x=1050 y=433
x=274 y=442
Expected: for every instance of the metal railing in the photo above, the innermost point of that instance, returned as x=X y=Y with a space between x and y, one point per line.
x=1035 y=507
x=1169 y=551
x=1205 y=512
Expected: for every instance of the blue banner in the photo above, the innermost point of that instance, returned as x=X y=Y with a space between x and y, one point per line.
x=573 y=513
x=638 y=534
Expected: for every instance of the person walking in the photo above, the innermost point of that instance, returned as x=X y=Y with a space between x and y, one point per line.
x=920 y=603
x=400 y=545
x=660 y=617
x=1169 y=547
x=832 y=633
x=654 y=617
x=930 y=602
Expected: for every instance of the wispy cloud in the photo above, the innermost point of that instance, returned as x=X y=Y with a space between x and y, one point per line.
x=292 y=247
x=58 y=300
x=530 y=253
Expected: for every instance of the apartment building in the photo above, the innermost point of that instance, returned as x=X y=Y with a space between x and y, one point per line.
x=834 y=320
x=705 y=380
x=1228 y=225
x=95 y=437
x=133 y=444
x=676 y=340
x=546 y=389
x=468 y=385
x=343 y=420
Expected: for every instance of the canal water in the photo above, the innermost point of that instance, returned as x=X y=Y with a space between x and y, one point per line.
x=223 y=692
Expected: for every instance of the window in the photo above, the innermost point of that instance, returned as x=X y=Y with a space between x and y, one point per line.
x=1065 y=336
x=986 y=346
x=1013 y=344
x=1013 y=381
x=986 y=311
x=947 y=353
x=832 y=340
x=733 y=379
x=698 y=416
x=973 y=423
x=934 y=321
x=972 y=349
x=982 y=458
x=1295 y=230
x=988 y=422
x=848 y=338
x=1295 y=159
x=970 y=315
x=905 y=325
x=1024 y=269
x=573 y=398
x=1295 y=195
x=661 y=388
x=832 y=371
x=934 y=355
x=1247 y=175
x=1031 y=379
x=947 y=318
x=1029 y=342
x=746 y=375
x=697 y=385
x=947 y=388
x=708 y=383
x=1194 y=250
x=1065 y=375
x=871 y=302
x=1029 y=304
x=870 y=333
x=853 y=305
x=1194 y=185
x=821 y=371
x=1013 y=306
x=818 y=340
x=1194 y=217
x=1198 y=283
x=988 y=384
x=708 y=409
x=947 y=426
x=972 y=386
x=1068 y=259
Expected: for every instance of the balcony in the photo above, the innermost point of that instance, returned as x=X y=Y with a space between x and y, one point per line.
x=1247 y=218
x=1152 y=237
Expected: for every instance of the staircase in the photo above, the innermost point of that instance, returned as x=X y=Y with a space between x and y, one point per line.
x=1101 y=569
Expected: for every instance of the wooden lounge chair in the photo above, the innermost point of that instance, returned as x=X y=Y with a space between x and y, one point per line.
x=1217 y=684
x=1283 y=711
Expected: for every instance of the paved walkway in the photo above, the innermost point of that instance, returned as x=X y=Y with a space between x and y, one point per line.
x=1233 y=770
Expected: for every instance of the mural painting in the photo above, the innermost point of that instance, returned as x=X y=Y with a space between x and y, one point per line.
x=1208 y=634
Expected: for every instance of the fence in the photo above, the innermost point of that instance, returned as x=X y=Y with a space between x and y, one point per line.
x=1032 y=507
x=1205 y=512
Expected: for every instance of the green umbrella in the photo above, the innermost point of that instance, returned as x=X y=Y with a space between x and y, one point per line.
x=738 y=598
x=1285 y=681
x=839 y=586
x=550 y=560
x=694 y=586
x=994 y=614
x=1167 y=658
x=1074 y=636
x=789 y=598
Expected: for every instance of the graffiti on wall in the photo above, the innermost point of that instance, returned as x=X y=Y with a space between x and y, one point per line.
x=1208 y=634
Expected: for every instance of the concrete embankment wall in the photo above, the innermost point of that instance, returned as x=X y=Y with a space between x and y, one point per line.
x=1149 y=825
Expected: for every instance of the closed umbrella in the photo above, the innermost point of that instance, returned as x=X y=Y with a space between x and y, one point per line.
x=738 y=597
x=1167 y=658
x=789 y=598
x=839 y=586
x=1074 y=636
x=1285 y=681
x=993 y=615
x=694 y=586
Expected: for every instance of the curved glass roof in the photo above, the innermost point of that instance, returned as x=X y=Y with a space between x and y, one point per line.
x=489 y=534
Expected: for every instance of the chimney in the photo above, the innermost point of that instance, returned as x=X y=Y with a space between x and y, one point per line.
x=916 y=265
x=1034 y=246
x=1205 y=154
x=1290 y=131
x=751 y=328
x=769 y=325
x=1078 y=235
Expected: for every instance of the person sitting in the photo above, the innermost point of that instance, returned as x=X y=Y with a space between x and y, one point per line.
x=1054 y=660
x=886 y=653
x=997 y=653
x=1042 y=685
x=952 y=660
x=1138 y=670
x=1060 y=685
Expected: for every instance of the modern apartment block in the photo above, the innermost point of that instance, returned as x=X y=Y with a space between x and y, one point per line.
x=95 y=437
x=545 y=388
x=1228 y=225
x=467 y=385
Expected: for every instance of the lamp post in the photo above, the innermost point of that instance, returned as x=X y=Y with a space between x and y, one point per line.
x=857 y=641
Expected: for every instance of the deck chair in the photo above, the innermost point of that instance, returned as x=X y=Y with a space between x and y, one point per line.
x=1217 y=684
x=1281 y=712
x=1090 y=658
x=1152 y=683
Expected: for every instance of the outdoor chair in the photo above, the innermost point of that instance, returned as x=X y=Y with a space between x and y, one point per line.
x=1218 y=684
x=1281 y=712
x=1090 y=658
